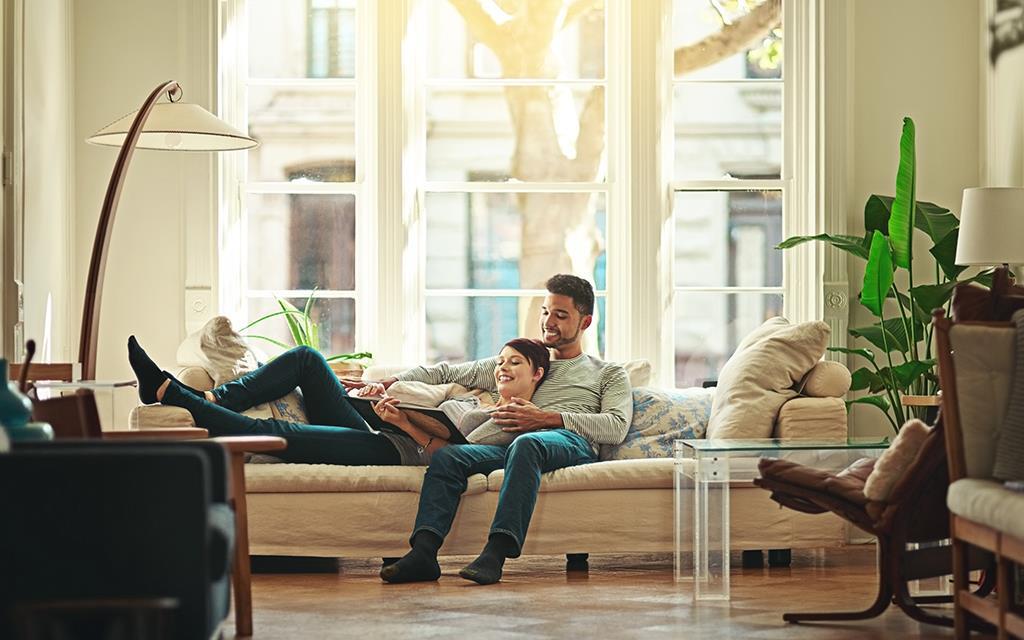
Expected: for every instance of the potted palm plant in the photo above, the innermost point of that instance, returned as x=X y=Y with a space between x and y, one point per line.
x=901 y=369
x=305 y=331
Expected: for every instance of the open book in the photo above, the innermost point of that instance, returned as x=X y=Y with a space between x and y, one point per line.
x=432 y=420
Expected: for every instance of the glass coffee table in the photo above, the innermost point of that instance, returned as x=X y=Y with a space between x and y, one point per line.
x=704 y=470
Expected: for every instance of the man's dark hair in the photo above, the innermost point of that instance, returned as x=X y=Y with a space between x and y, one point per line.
x=582 y=294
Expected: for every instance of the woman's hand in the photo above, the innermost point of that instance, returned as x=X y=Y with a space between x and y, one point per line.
x=520 y=416
x=369 y=389
x=386 y=410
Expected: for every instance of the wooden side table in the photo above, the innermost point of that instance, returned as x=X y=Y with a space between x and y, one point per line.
x=238 y=446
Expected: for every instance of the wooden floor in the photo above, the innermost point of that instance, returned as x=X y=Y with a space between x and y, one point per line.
x=620 y=597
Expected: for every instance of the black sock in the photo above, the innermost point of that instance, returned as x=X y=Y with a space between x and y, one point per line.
x=183 y=386
x=149 y=375
x=420 y=564
x=486 y=569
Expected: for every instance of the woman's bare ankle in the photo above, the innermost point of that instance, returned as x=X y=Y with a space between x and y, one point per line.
x=210 y=397
x=162 y=389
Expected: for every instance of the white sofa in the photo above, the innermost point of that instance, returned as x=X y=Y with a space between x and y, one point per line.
x=613 y=506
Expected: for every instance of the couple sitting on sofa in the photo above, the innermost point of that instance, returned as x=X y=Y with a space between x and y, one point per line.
x=559 y=417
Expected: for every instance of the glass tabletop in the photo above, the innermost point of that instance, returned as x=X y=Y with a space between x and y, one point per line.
x=777 y=444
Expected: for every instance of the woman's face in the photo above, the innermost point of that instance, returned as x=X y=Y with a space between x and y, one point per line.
x=514 y=374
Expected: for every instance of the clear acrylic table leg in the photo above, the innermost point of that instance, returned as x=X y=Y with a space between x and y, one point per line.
x=683 y=522
x=711 y=527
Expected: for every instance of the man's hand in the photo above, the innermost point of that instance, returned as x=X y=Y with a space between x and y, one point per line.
x=520 y=416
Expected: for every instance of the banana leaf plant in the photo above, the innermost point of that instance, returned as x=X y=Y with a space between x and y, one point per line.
x=303 y=329
x=903 y=333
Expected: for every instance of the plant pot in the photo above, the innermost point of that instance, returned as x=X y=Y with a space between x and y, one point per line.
x=925 y=407
x=347 y=369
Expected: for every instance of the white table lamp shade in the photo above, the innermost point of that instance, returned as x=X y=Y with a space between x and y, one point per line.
x=991 y=226
x=176 y=126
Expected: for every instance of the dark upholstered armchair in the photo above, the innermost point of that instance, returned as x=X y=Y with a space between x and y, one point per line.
x=87 y=525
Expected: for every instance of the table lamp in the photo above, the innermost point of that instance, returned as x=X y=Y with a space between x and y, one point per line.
x=171 y=126
x=991 y=227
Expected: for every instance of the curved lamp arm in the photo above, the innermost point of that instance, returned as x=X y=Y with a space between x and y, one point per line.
x=98 y=262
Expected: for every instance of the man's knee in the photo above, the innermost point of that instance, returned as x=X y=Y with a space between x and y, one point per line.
x=529 y=445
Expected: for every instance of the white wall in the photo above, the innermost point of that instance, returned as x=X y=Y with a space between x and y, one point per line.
x=122 y=51
x=48 y=171
x=917 y=58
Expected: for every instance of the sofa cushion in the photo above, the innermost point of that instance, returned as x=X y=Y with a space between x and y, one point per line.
x=331 y=478
x=761 y=375
x=826 y=379
x=157 y=416
x=659 y=417
x=989 y=503
x=812 y=419
x=894 y=460
x=653 y=473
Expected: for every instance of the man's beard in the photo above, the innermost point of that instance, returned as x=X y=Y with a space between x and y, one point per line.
x=562 y=340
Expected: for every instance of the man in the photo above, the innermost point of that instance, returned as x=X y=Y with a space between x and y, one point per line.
x=587 y=403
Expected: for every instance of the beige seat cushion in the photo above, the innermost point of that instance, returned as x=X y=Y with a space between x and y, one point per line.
x=812 y=419
x=760 y=377
x=651 y=473
x=155 y=416
x=894 y=460
x=989 y=503
x=331 y=478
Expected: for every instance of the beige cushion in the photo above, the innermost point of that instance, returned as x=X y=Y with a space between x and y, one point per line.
x=332 y=478
x=989 y=503
x=196 y=377
x=156 y=416
x=826 y=379
x=894 y=460
x=650 y=473
x=812 y=419
x=760 y=376
x=983 y=358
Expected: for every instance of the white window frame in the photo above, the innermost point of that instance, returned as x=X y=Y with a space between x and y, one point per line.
x=390 y=185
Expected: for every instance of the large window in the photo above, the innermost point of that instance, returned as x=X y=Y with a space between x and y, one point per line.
x=300 y=193
x=514 y=166
x=515 y=148
x=727 y=208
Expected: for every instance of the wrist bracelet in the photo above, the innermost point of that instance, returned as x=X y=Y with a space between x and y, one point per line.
x=422 y=448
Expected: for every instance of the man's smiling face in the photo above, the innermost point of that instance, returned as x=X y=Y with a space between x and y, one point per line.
x=561 y=323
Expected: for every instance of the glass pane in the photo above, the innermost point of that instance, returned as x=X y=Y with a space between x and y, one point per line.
x=335 y=319
x=471 y=136
x=513 y=240
x=728 y=238
x=728 y=130
x=469 y=328
x=301 y=241
x=695 y=22
x=710 y=325
x=455 y=51
x=305 y=135
x=302 y=38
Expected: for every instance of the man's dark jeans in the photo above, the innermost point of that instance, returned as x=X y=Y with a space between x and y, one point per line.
x=529 y=455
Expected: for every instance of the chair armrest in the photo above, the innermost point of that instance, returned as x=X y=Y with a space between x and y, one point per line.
x=812 y=418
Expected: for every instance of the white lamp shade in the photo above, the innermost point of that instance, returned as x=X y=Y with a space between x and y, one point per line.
x=176 y=126
x=991 y=226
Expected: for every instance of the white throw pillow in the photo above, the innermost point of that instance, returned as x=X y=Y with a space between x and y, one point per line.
x=895 y=460
x=760 y=377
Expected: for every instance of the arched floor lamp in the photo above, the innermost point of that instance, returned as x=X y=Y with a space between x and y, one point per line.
x=169 y=126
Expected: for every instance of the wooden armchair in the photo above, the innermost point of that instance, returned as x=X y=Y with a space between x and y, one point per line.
x=976 y=370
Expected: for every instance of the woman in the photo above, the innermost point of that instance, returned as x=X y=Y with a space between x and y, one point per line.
x=523 y=363
x=337 y=433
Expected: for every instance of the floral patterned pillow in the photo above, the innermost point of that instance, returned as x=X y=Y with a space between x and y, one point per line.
x=659 y=417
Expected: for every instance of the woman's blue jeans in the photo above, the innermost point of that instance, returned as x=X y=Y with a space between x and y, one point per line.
x=337 y=433
x=529 y=455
